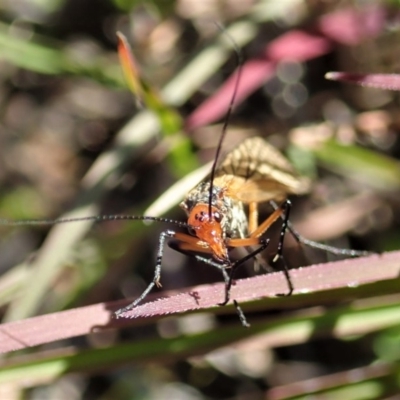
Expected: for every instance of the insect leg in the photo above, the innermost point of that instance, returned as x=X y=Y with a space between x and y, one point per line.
x=209 y=261
x=157 y=273
x=222 y=268
x=263 y=245
x=229 y=280
x=189 y=243
x=262 y=228
x=282 y=212
x=253 y=216
x=321 y=246
x=228 y=283
x=285 y=207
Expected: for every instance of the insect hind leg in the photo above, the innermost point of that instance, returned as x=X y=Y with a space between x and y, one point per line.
x=321 y=246
x=157 y=274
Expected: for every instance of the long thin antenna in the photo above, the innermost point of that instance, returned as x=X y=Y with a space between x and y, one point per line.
x=95 y=218
x=239 y=59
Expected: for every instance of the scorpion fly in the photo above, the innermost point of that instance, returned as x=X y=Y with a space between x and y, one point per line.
x=253 y=173
x=222 y=210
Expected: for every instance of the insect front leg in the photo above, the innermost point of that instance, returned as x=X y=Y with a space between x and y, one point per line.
x=189 y=244
x=227 y=277
x=228 y=283
x=222 y=267
x=157 y=273
x=263 y=242
x=233 y=267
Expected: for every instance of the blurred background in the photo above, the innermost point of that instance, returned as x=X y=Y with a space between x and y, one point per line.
x=74 y=141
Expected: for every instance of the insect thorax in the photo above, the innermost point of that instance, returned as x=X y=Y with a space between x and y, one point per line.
x=234 y=221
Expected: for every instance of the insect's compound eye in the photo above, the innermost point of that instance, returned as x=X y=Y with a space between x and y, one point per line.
x=200 y=216
x=217 y=216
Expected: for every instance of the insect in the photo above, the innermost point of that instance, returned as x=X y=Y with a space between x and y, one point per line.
x=217 y=221
x=255 y=172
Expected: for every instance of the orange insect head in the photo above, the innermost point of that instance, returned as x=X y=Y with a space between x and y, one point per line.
x=208 y=229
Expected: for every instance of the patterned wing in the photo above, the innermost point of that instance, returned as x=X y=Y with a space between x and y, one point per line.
x=256 y=171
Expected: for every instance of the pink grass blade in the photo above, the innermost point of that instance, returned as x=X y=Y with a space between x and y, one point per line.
x=351 y=26
x=293 y=46
x=378 y=81
x=332 y=275
x=82 y=321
